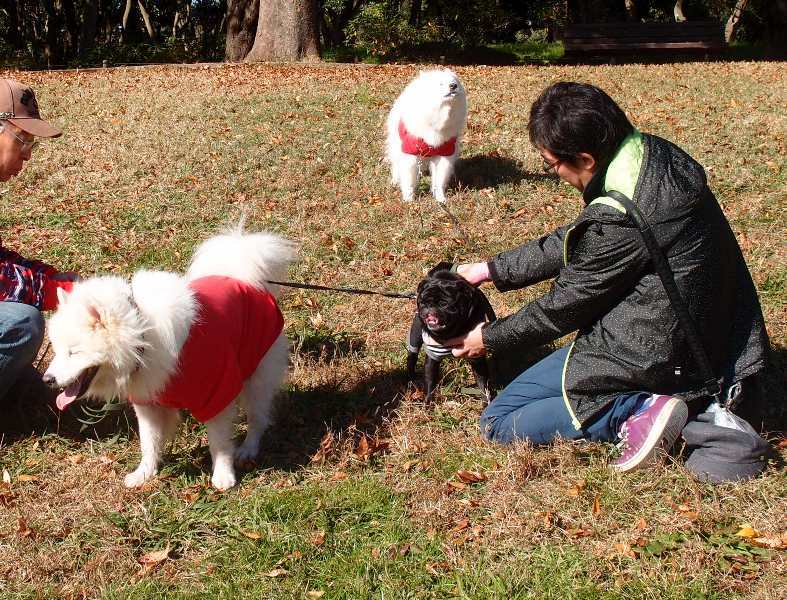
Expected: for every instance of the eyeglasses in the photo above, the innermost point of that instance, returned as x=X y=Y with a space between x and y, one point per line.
x=551 y=168
x=27 y=144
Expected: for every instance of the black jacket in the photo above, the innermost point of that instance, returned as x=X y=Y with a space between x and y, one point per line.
x=605 y=288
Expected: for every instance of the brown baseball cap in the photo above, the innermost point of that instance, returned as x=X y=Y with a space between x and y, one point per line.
x=18 y=106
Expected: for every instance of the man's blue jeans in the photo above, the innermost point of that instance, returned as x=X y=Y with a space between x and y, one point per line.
x=21 y=333
x=531 y=408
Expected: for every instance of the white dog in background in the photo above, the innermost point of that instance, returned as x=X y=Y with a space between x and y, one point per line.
x=425 y=125
x=207 y=342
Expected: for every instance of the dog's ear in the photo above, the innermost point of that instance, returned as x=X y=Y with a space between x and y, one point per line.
x=92 y=310
x=62 y=295
x=443 y=265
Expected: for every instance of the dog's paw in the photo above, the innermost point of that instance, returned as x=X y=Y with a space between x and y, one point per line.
x=138 y=477
x=223 y=479
x=245 y=456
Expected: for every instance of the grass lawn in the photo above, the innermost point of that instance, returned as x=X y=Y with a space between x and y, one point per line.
x=362 y=491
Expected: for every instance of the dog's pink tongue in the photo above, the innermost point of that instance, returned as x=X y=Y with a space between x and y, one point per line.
x=68 y=395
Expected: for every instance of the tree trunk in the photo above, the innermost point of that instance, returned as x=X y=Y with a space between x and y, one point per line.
x=729 y=29
x=631 y=10
x=415 y=13
x=124 y=22
x=242 y=16
x=146 y=18
x=286 y=31
x=677 y=11
x=71 y=41
x=10 y=8
x=87 y=32
x=53 y=50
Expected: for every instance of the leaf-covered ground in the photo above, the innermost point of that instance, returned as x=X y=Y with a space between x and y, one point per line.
x=362 y=491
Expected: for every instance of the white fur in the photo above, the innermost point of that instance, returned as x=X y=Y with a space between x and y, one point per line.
x=137 y=347
x=433 y=112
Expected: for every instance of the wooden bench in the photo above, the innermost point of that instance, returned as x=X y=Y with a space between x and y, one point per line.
x=587 y=40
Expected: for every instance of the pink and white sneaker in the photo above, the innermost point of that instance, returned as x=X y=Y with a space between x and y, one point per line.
x=655 y=426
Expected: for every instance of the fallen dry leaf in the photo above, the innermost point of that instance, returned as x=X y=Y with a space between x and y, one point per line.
x=154 y=558
x=456 y=485
x=438 y=567
x=774 y=542
x=596 y=506
x=277 y=572
x=22 y=528
x=747 y=531
x=470 y=476
x=579 y=532
x=409 y=465
x=575 y=490
x=624 y=549
x=252 y=535
x=27 y=478
x=6 y=476
x=315 y=594
x=369 y=447
x=461 y=525
x=318 y=539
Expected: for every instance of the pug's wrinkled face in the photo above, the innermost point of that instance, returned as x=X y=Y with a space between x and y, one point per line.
x=445 y=305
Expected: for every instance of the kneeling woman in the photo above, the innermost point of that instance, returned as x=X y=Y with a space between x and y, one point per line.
x=625 y=374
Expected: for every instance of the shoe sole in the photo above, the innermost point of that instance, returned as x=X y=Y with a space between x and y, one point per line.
x=666 y=430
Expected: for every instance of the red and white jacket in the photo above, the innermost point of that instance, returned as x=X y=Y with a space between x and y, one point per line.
x=235 y=326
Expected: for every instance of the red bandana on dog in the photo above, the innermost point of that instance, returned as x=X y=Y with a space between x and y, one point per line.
x=417 y=146
x=235 y=326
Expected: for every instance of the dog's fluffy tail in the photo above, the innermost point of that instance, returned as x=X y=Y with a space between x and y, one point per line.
x=256 y=258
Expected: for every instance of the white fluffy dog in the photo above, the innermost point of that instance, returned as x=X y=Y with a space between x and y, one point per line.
x=425 y=125
x=207 y=342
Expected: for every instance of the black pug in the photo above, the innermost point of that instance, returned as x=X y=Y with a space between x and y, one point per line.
x=447 y=306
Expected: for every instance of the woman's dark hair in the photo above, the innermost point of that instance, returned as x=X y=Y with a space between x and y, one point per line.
x=569 y=118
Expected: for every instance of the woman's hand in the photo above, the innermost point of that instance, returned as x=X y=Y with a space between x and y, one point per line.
x=470 y=345
x=475 y=273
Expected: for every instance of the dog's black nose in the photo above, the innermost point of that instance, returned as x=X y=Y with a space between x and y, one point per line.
x=49 y=380
x=453 y=86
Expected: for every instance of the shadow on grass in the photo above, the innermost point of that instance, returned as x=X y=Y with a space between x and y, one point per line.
x=488 y=170
x=329 y=344
x=29 y=410
x=308 y=414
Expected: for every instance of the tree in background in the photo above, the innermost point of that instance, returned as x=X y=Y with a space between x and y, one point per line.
x=56 y=33
x=286 y=30
x=242 y=17
x=59 y=33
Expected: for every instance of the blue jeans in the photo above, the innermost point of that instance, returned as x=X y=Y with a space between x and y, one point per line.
x=531 y=408
x=21 y=333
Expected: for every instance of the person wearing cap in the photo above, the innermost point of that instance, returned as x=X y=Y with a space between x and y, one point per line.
x=628 y=372
x=26 y=286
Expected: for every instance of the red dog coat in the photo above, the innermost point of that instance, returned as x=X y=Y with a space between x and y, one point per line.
x=235 y=326
x=417 y=146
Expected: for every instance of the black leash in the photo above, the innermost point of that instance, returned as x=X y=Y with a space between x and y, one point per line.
x=310 y=286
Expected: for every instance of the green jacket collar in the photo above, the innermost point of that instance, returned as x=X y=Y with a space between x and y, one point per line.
x=621 y=173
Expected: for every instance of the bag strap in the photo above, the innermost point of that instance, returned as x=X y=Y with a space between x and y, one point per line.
x=662 y=268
